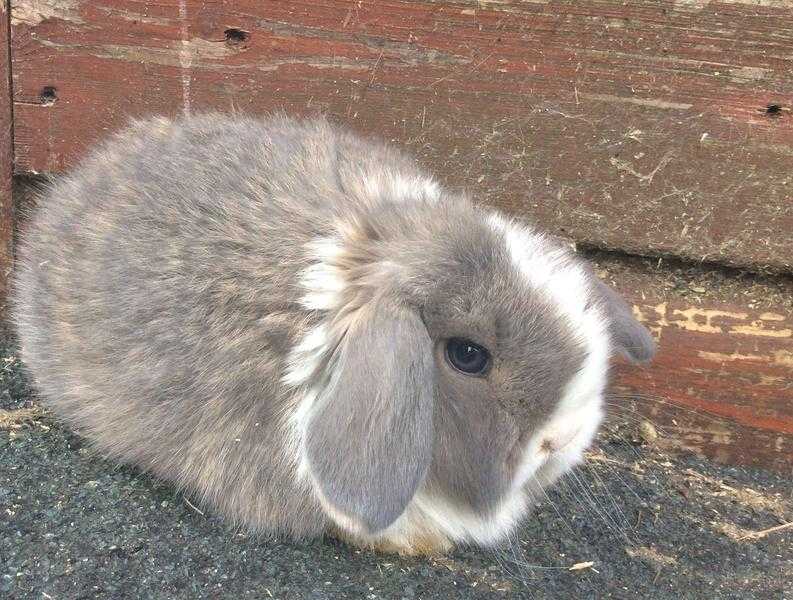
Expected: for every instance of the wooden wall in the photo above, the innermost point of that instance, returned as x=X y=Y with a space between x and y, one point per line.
x=660 y=128
x=6 y=151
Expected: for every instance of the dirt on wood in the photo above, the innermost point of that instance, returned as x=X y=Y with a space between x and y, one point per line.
x=641 y=126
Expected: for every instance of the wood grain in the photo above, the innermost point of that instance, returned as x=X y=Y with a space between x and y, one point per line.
x=722 y=382
x=6 y=158
x=640 y=126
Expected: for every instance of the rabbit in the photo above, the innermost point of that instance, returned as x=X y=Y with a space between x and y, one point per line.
x=306 y=332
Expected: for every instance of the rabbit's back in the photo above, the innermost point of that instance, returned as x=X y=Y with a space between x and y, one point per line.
x=156 y=296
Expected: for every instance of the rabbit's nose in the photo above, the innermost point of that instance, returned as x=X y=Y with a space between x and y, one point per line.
x=550 y=445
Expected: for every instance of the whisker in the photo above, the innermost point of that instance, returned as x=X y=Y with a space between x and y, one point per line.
x=499 y=554
x=618 y=412
x=579 y=499
x=670 y=406
x=598 y=508
x=626 y=525
x=518 y=559
x=614 y=473
x=554 y=507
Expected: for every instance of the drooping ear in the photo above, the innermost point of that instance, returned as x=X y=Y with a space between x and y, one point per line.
x=368 y=439
x=629 y=336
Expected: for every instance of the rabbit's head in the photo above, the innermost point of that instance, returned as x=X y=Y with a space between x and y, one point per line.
x=459 y=361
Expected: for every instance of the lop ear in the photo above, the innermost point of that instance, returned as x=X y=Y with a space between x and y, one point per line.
x=369 y=436
x=630 y=337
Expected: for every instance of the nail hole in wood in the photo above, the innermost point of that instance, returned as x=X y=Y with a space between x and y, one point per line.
x=234 y=37
x=773 y=110
x=48 y=95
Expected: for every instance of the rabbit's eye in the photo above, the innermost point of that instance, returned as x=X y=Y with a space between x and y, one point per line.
x=467 y=357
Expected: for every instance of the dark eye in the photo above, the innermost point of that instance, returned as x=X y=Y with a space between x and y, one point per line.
x=467 y=357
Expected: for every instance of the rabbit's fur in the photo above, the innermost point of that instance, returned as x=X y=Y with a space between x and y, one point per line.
x=257 y=311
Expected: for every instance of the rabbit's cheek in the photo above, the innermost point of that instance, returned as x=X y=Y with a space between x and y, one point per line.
x=560 y=443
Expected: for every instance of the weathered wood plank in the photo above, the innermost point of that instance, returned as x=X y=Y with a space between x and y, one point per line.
x=722 y=381
x=727 y=362
x=6 y=157
x=639 y=126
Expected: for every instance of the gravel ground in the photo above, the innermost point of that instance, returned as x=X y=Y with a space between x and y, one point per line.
x=637 y=523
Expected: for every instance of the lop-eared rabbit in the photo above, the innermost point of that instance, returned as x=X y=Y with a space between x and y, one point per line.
x=303 y=329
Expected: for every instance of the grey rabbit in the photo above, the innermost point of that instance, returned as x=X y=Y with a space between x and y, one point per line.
x=305 y=331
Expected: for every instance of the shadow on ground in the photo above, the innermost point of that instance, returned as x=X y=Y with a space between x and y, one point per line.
x=634 y=522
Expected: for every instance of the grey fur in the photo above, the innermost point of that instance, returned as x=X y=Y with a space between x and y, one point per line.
x=157 y=297
x=370 y=439
x=632 y=340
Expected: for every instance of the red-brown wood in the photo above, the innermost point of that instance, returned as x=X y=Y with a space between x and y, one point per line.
x=730 y=370
x=641 y=126
x=6 y=157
